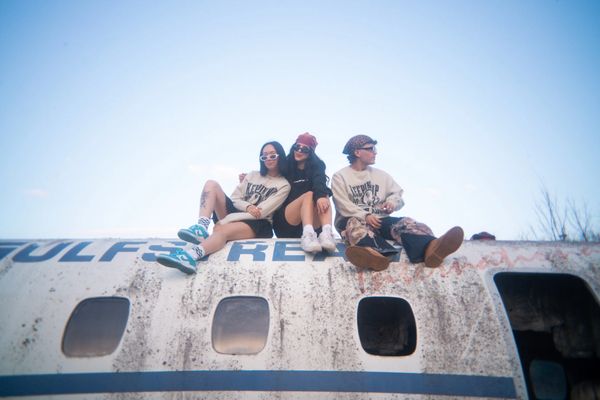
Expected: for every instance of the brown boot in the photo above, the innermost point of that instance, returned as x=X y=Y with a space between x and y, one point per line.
x=440 y=248
x=367 y=257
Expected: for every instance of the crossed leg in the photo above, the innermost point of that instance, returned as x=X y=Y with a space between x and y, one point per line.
x=224 y=233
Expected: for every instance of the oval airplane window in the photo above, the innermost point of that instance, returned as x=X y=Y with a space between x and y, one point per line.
x=96 y=327
x=240 y=325
x=386 y=326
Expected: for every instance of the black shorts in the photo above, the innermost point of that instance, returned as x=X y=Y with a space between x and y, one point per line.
x=261 y=227
x=282 y=228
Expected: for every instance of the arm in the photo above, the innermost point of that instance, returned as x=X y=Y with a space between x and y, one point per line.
x=267 y=207
x=320 y=190
x=272 y=203
x=394 y=196
x=237 y=197
x=319 y=183
x=343 y=205
x=233 y=217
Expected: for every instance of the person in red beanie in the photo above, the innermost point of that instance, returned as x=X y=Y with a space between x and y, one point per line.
x=307 y=207
x=364 y=198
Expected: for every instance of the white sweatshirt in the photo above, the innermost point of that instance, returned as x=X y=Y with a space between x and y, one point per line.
x=265 y=192
x=358 y=193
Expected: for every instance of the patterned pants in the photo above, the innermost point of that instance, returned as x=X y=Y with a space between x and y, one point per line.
x=413 y=236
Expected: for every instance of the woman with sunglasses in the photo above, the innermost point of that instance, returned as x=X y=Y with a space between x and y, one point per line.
x=307 y=206
x=246 y=215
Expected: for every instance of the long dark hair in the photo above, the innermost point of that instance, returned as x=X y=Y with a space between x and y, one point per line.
x=312 y=164
x=281 y=160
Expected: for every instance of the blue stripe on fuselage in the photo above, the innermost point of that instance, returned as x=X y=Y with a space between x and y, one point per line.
x=302 y=381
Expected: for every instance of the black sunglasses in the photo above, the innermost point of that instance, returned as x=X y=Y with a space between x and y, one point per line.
x=301 y=149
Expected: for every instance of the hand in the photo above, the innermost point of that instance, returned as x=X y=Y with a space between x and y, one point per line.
x=254 y=211
x=322 y=205
x=242 y=176
x=387 y=207
x=372 y=220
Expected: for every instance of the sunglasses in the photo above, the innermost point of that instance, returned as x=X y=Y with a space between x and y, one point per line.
x=301 y=149
x=372 y=149
x=266 y=157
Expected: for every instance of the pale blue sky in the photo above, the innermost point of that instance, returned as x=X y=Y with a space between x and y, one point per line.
x=113 y=113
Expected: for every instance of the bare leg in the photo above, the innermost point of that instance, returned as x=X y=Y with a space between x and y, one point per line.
x=212 y=199
x=325 y=218
x=301 y=210
x=323 y=215
x=224 y=233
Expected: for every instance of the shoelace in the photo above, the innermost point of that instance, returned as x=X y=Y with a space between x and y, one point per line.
x=180 y=254
x=201 y=231
x=312 y=236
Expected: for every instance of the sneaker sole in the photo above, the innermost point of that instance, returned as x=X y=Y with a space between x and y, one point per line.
x=365 y=258
x=169 y=262
x=312 y=250
x=187 y=236
x=449 y=243
x=313 y=247
x=330 y=249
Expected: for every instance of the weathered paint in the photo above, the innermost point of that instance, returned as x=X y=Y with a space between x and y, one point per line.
x=464 y=339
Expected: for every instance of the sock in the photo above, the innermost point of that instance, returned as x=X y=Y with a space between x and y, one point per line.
x=327 y=229
x=204 y=221
x=308 y=229
x=198 y=252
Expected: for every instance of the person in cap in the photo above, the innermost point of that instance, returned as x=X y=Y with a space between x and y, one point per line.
x=307 y=207
x=364 y=198
x=246 y=215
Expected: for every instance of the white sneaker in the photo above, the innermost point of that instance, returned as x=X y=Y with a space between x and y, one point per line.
x=309 y=243
x=327 y=242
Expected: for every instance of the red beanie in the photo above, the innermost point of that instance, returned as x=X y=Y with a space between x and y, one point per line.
x=308 y=140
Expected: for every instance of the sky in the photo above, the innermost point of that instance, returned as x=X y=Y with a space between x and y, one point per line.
x=114 y=113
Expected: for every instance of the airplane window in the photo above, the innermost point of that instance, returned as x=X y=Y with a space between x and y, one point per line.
x=555 y=320
x=386 y=326
x=96 y=327
x=240 y=325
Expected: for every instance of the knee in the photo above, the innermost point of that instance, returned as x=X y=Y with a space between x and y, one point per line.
x=211 y=185
x=217 y=228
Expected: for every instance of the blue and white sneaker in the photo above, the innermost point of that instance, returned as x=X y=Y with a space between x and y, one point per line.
x=179 y=259
x=194 y=234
